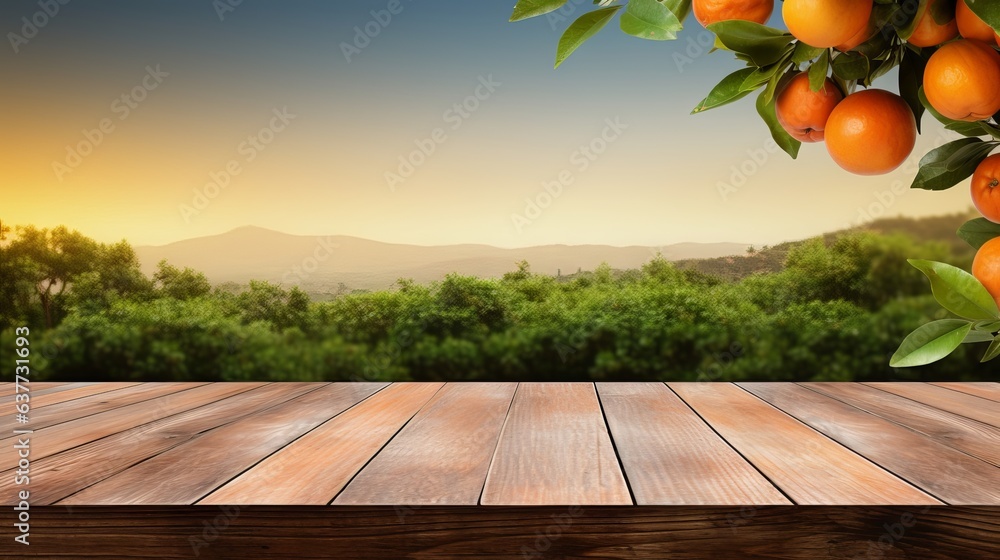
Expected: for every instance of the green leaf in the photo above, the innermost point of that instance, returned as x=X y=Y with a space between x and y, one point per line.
x=930 y=343
x=805 y=53
x=680 y=8
x=525 y=9
x=966 y=129
x=988 y=326
x=883 y=66
x=948 y=165
x=818 y=70
x=977 y=232
x=727 y=91
x=987 y=10
x=765 y=109
x=582 y=29
x=911 y=76
x=766 y=74
x=958 y=291
x=764 y=45
x=851 y=66
x=972 y=154
x=775 y=82
x=990 y=129
x=993 y=351
x=758 y=77
x=975 y=337
x=649 y=19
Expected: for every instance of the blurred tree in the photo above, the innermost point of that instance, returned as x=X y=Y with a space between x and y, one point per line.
x=49 y=261
x=269 y=302
x=180 y=284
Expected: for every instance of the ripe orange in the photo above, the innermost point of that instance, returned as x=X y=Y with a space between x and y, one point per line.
x=962 y=80
x=802 y=112
x=970 y=26
x=871 y=132
x=710 y=11
x=986 y=267
x=826 y=23
x=986 y=188
x=867 y=32
x=930 y=33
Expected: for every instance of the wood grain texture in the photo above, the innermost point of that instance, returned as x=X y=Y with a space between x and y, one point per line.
x=945 y=472
x=443 y=453
x=986 y=389
x=37 y=387
x=671 y=457
x=64 y=394
x=186 y=473
x=555 y=449
x=972 y=437
x=316 y=466
x=40 y=389
x=809 y=467
x=63 y=474
x=963 y=404
x=508 y=533
x=94 y=404
x=54 y=439
x=8 y=387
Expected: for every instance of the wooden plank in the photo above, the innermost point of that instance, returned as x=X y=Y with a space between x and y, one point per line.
x=555 y=449
x=94 y=404
x=8 y=388
x=441 y=456
x=316 y=466
x=69 y=394
x=947 y=473
x=972 y=437
x=986 y=389
x=810 y=468
x=186 y=473
x=671 y=457
x=977 y=408
x=54 y=439
x=58 y=476
x=526 y=533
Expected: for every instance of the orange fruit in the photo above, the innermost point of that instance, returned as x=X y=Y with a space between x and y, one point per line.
x=803 y=112
x=962 y=80
x=826 y=23
x=986 y=188
x=986 y=267
x=871 y=132
x=708 y=12
x=970 y=26
x=867 y=32
x=930 y=33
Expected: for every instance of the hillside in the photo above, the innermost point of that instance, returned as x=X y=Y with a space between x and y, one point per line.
x=940 y=229
x=335 y=263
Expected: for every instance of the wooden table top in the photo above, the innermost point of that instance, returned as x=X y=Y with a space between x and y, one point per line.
x=508 y=444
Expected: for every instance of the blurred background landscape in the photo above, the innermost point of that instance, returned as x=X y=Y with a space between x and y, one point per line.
x=375 y=190
x=281 y=307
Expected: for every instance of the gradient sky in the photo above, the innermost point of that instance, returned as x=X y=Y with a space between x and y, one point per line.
x=325 y=172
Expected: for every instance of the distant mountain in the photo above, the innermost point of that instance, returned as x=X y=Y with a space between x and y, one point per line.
x=321 y=264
